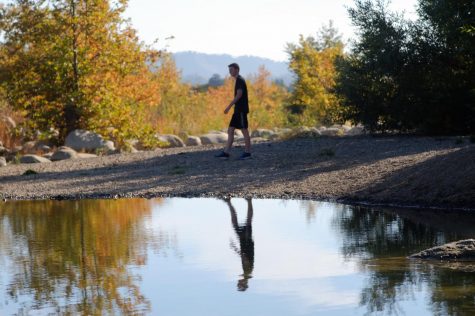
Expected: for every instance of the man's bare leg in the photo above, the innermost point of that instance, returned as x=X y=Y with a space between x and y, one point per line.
x=247 y=140
x=230 y=140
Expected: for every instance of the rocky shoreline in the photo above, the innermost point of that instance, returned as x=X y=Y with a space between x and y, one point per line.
x=395 y=171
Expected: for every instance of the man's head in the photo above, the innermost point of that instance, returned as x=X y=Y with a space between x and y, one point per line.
x=233 y=70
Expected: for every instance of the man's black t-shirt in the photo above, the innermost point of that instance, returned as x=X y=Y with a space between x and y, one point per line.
x=242 y=105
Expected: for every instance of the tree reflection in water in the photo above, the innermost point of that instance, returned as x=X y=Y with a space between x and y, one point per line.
x=246 y=243
x=73 y=256
x=381 y=240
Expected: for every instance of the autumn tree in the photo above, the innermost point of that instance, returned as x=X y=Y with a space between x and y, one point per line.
x=313 y=100
x=76 y=64
x=267 y=100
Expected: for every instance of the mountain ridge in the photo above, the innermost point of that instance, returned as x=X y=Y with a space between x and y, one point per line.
x=197 y=68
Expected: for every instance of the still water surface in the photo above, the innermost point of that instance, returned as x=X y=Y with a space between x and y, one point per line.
x=215 y=257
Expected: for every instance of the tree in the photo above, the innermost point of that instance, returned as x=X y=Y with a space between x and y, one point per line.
x=215 y=81
x=411 y=76
x=69 y=64
x=267 y=101
x=313 y=99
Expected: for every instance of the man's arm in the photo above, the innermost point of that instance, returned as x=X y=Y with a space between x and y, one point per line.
x=236 y=98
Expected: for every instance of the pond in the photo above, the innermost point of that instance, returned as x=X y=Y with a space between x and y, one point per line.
x=180 y=256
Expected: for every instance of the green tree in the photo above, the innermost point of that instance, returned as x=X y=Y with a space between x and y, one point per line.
x=215 y=81
x=69 y=64
x=411 y=76
x=313 y=100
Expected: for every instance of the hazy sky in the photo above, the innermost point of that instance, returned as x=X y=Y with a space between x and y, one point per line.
x=242 y=27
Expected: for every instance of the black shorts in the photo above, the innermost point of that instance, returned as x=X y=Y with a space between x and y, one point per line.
x=239 y=120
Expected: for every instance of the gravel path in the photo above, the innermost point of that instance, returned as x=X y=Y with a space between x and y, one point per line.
x=403 y=171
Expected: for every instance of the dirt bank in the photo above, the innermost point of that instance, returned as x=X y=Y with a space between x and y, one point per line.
x=407 y=171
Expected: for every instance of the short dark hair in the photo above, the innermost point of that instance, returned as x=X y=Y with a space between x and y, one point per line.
x=234 y=65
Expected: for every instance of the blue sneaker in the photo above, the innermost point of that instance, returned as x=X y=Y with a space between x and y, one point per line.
x=245 y=156
x=222 y=154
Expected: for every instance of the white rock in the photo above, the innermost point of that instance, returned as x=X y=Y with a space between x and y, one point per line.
x=262 y=132
x=193 y=141
x=47 y=156
x=33 y=159
x=3 y=162
x=86 y=140
x=64 y=153
x=331 y=131
x=357 y=130
x=346 y=128
x=238 y=133
x=172 y=140
x=214 y=138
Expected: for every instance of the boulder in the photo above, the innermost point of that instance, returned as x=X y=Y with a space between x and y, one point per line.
x=172 y=140
x=47 y=156
x=262 y=132
x=89 y=141
x=357 y=130
x=193 y=141
x=331 y=131
x=459 y=250
x=3 y=162
x=346 y=128
x=64 y=153
x=238 y=133
x=212 y=138
x=308 y=132
x=33 y=159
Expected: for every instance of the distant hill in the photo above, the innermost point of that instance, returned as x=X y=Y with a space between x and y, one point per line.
x=197 y=68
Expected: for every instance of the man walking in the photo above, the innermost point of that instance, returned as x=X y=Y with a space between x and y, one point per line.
x=239 y=118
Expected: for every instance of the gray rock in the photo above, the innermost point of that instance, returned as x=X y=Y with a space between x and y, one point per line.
x=172 y=140
x=33 y=159
x=64 y=153
x=214 y=138
x=357 y=130
x=346 y=129
x=238 y=133
x=47 y=156
x=89 y=141
x=262 y=132
x=308 y=132
x=193 y=141
x=331 y=131
x=459 y=250
x=3 y=162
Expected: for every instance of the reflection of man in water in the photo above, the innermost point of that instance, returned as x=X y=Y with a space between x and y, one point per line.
x=244 y=233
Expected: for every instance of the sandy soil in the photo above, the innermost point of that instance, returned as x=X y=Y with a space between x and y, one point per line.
x=404 y=171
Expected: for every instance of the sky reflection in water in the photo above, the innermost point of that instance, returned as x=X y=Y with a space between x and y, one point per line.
x=226 y=257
